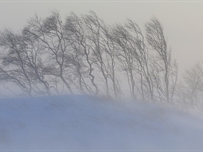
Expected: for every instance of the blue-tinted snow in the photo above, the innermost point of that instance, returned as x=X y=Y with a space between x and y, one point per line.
x=80 y=122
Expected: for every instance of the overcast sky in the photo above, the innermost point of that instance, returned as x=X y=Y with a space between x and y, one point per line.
x=182 y=21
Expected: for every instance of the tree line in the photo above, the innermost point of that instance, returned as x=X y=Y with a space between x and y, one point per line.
x=82 y=54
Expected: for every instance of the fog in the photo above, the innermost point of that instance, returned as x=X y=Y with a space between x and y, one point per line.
x=85 y=105
x=181 y=21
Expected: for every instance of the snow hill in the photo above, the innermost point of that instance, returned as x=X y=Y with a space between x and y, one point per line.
x=84 y=123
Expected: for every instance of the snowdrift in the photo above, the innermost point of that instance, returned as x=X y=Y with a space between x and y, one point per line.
x=80 y=122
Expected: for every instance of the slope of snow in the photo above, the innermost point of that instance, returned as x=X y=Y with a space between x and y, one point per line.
x=89 y=123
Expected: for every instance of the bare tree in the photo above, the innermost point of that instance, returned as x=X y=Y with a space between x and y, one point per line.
x=162 y=59
x=193 y=85
x=13 y=61
x=33 y=52
x=125 y=55
x=110 y=48
x=133 y=58
x=76 y=32
x=94 y=29
x=141 y=54
x=86 y=55
x=50 y=34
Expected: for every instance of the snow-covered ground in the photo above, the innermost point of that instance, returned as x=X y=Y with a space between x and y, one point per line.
x=83 y=123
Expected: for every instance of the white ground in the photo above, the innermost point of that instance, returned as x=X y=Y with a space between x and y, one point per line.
x=83 y=123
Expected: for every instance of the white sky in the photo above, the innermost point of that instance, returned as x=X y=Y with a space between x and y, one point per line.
x=182 y=21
